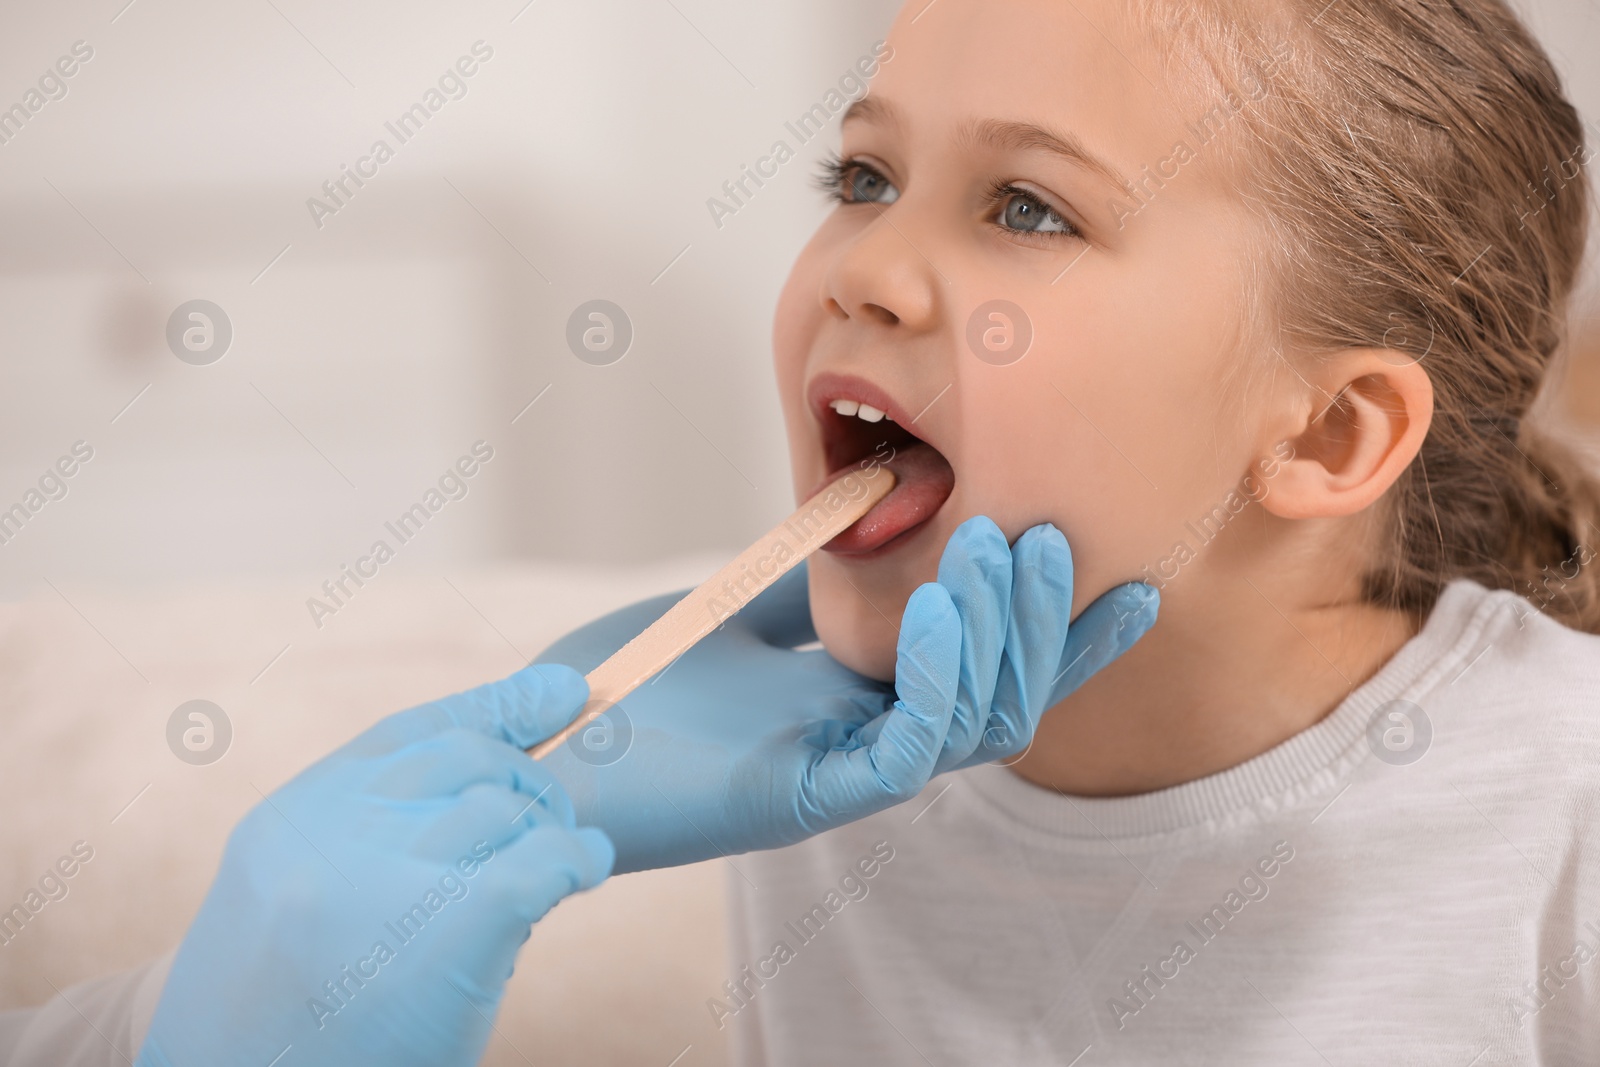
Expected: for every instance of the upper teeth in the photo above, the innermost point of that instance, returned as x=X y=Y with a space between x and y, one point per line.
x=861 y=411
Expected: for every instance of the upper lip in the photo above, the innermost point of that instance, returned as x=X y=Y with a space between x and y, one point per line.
x=829 y=386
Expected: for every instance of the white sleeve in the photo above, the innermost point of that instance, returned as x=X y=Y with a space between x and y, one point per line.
x=99 y=1023
x=746 y=1043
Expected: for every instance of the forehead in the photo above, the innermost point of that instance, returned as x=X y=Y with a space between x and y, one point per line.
x=1082 y=67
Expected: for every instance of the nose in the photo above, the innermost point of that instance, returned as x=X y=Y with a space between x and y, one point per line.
x=880 y=277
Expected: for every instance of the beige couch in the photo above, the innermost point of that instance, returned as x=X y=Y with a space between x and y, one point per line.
x=620 y=975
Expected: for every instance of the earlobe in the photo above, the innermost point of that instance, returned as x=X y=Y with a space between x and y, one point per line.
x=1348 y=453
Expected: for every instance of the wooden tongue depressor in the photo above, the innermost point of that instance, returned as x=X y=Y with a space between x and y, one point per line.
x=819 y=520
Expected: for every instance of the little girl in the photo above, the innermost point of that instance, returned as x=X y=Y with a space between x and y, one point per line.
x=1252 y=299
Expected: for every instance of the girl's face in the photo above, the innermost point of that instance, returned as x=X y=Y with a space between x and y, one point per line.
x=992 y=161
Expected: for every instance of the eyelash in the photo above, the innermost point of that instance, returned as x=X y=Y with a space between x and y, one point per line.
x=1001 y=191
x=833 y=174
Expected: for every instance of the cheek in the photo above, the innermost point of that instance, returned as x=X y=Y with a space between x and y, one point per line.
x=792 y=324
x=1105 y=430
x=1064 y=472
x=798 y=319
x=800 y=314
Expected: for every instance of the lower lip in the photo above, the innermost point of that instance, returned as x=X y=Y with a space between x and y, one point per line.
x=924 y=482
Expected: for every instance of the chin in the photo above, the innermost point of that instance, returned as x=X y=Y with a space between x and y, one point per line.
x=852 y=631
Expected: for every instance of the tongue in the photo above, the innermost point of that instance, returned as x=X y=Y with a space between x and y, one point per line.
x=923 y=481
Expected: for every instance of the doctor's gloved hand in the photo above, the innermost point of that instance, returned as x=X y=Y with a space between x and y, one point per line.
x=371 y=910
x=745 y=743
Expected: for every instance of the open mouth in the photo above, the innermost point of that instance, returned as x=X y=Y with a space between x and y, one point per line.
x=860 y=424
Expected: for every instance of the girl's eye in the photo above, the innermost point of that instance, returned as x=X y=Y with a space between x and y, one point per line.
x=1022 y=211
x=853 y=182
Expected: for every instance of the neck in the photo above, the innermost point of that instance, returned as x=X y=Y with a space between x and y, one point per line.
x=1240 y=660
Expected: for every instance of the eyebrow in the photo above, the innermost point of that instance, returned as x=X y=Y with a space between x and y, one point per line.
x=995 y=133
x=871 y=109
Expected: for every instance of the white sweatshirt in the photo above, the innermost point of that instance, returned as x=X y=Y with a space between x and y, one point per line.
x=1321 y=903
x=99 y=1023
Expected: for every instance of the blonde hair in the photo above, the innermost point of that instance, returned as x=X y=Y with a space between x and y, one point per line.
x=1421 y=177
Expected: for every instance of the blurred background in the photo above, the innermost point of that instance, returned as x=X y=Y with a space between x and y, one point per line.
x=372 y=350
x=371 y=346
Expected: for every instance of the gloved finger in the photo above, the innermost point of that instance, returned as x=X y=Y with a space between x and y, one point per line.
x=848 y=784
x=781 y=615
x=447 y=764
x=535 y=872
x=1041 y=604
x=1105 y=630
x=489 y=813
x=522 y=710
x=976 y=571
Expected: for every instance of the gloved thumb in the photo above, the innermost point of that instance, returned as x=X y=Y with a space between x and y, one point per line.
x=521 y=710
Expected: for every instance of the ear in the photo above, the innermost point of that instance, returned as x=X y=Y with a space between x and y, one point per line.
x=1348 y=452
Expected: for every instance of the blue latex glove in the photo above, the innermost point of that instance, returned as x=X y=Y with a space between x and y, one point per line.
x=746 y=744
x=431 y=835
